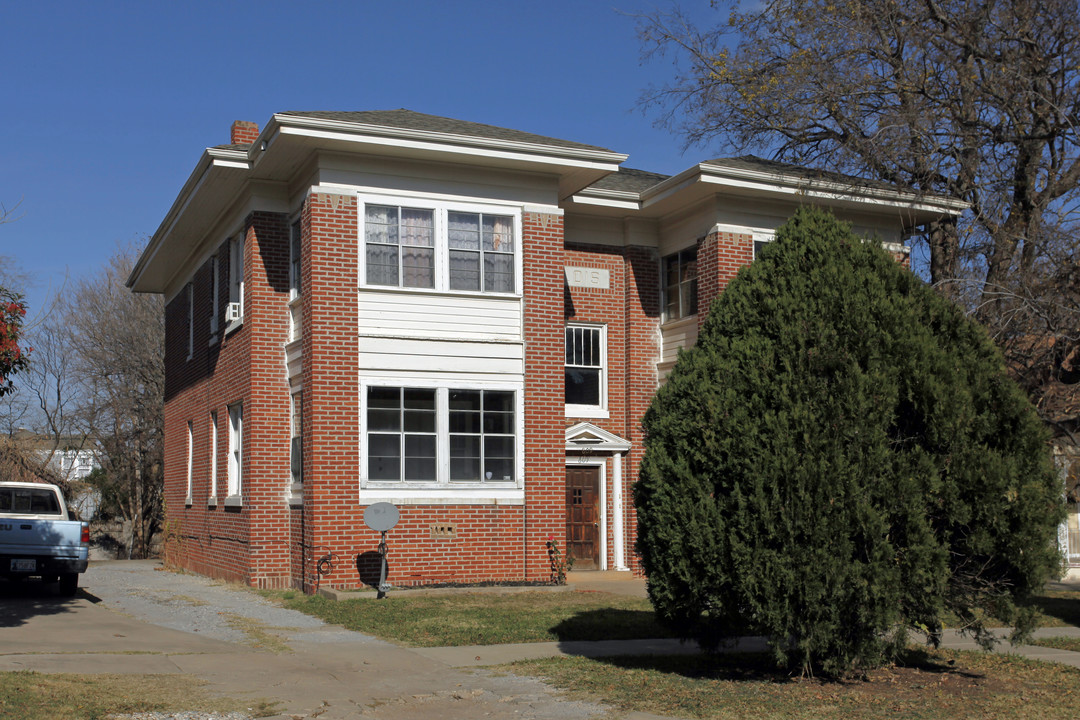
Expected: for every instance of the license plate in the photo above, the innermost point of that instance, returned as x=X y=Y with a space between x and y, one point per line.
x=23 y=565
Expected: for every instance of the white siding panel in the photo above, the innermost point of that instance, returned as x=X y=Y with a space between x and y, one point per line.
x=442 y=316
x=677 y=335
x=441 y=359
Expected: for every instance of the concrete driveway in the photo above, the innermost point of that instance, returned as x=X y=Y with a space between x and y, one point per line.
x=132 y=617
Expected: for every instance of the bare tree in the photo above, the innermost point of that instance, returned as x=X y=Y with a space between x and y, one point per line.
x=117 y=341
x=975 y=100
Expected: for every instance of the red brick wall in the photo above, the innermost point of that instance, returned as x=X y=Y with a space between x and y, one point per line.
x=629 y=308
x=218 y=540
x=719 y=257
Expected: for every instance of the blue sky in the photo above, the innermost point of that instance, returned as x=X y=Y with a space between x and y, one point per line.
x=108 y=105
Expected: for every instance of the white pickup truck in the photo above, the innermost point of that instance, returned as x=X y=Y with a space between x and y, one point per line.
x=37 y=537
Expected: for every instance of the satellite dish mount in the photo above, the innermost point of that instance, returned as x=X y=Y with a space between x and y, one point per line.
x=382 y=517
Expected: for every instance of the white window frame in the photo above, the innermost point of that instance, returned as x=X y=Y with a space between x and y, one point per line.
x=664 y=288
x=190 y=460
x=212 y=499
x=296 y=433
x=235 y=485
x=236 y=276
x=441 y=209
x=295 y=252
x=442 y=490
x=600 y=410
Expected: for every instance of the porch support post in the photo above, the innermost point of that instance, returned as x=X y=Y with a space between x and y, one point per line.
x=617 y=511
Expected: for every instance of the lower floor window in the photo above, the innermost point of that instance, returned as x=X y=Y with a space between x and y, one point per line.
x=438 y=435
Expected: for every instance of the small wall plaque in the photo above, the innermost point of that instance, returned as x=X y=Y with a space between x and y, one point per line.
x=584 y=277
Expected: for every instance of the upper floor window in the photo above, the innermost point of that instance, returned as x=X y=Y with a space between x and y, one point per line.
x=481 y=252
x=400 y=246
x=679 y=284
x=294 y=259
x=215 y=307
x=585 y=369
x=439 y=247
x=759 y=245
x=236 y=271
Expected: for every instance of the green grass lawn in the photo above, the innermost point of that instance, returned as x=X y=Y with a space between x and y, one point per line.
x=37 y=696
x=486 y=619
x=938 y=685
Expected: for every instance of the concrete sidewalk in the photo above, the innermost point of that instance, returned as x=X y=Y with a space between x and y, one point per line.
x=133 y=618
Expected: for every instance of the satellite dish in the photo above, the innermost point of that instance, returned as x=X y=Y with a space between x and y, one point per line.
x=381 y=516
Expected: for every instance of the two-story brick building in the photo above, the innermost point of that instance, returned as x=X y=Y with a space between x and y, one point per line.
x=463 y=320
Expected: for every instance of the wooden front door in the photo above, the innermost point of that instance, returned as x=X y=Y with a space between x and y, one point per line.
x=583 y=516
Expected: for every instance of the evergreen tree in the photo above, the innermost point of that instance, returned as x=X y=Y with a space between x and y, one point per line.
x=839 y=457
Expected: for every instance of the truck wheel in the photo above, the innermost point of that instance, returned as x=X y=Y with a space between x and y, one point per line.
x=69 y=583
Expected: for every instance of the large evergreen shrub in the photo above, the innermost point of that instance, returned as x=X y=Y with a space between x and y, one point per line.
x=840 y=456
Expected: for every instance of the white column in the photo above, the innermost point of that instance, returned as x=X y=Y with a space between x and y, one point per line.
x=617 y=511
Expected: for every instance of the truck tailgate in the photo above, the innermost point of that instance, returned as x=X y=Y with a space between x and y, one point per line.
x=60 y=538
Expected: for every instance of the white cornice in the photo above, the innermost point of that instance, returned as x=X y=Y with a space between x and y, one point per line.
x=433 y=140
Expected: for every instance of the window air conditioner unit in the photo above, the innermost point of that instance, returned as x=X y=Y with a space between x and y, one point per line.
x=233 y=312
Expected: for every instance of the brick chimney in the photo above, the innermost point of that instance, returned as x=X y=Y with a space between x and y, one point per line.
x=244 y=132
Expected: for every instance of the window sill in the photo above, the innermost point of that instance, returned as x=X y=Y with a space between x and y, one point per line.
x=211 y=502
x=443 y=495
x=440 y=293
x=187 y=502
x=679 y=322
x=234 y=501
x=587 y=411
x=296 y=494
x=234 y=326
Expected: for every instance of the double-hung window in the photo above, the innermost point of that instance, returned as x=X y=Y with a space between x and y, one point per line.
x=294 y=260
x=481 y=435
x=679 y=282
x=400 y=246
x=215 y=307
x=236 y=446
x=585 y=365
x=437 y=436
x=236 y=272
x=439 y=246
x=481 y=251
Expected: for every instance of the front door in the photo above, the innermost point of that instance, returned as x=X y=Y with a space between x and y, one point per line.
x=583 y=516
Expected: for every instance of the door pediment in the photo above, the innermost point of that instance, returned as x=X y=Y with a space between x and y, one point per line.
x=586 y=436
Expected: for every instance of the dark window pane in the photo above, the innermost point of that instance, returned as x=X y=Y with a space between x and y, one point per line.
x=499 y=401
x=499 y=423
x=462 y=446
x=419 y=446
x=384 y=397
x=498 y=447
x=419 y=421
x=384 y=468
x=420 y=398
x=464 y=399
x=464 y=422
x=384 y=420
x=582 y=386
x=465 y=469
x=420 y=469
x=502 y=470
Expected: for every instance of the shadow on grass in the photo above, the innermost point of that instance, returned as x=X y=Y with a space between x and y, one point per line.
x=1060 y=603
x=760 y=667
x=610 y=624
